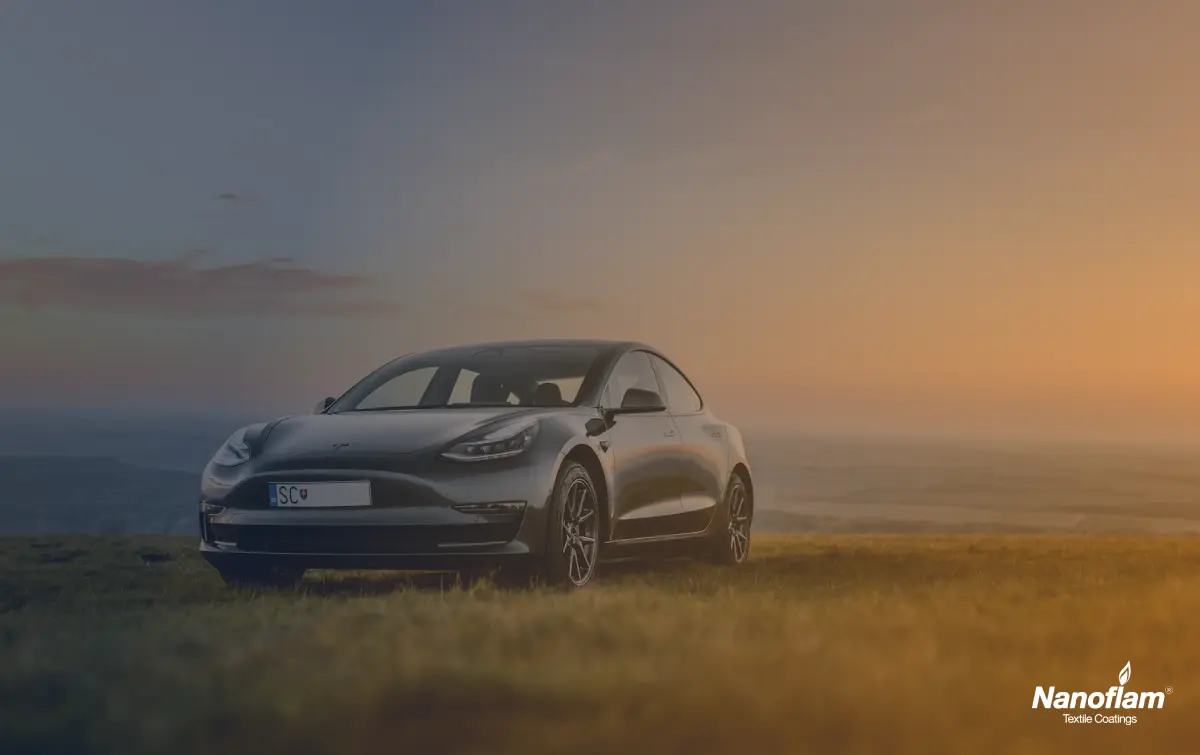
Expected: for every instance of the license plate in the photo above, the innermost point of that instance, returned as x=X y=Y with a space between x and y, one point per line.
x=319 y=495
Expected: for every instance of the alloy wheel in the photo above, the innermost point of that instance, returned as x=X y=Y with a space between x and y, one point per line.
x=739 y=523
x=580 y=531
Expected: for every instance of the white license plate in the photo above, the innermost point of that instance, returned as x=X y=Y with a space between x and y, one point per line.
x=319 y=495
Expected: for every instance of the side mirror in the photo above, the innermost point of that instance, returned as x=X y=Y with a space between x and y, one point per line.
x=323 y=404
x=596 y=426
x=641 y=401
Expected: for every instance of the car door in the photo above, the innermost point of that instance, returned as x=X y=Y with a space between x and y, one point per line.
x=647 y=458
x=706 y=457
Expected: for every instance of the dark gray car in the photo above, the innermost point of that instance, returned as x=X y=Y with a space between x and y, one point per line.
x=532 y=458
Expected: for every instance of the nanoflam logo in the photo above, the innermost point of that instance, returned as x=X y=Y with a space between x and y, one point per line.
x=1115 y=697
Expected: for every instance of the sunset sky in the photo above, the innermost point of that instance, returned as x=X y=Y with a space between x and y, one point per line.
x=953 y=215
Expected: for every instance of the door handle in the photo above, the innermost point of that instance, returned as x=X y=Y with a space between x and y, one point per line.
x=669 y=433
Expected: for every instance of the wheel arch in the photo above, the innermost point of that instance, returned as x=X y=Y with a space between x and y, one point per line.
x=743 y=471
x=585 y=455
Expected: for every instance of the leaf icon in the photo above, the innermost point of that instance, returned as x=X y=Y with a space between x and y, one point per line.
x=1125 y=673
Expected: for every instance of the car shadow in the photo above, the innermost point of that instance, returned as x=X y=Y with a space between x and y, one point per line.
x=644 y=567
x=380 y=583
x=332 y=583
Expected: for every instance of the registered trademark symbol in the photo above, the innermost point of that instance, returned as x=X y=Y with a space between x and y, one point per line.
x=1169 y=690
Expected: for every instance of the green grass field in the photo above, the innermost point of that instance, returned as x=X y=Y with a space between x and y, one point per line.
x=829 y=643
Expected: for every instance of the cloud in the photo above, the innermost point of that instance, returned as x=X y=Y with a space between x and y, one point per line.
x=235 y=198
x=182 y=288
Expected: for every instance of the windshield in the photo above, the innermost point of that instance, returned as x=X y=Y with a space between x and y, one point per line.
x=499 y=376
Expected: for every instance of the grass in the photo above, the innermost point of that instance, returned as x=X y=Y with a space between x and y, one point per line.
x=824 y=643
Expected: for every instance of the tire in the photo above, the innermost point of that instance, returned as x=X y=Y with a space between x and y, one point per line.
x=574 y=534
x=252 y=576
x=730 y=545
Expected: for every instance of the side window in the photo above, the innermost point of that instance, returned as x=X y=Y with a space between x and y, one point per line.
x=681 y=397
x=406 y=389
x=632 y=371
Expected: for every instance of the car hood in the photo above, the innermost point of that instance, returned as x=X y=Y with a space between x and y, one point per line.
x=381 y=432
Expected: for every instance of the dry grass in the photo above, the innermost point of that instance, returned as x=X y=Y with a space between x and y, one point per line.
x=830 y=643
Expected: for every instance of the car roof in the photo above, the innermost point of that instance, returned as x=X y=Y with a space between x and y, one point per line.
x=606 y=345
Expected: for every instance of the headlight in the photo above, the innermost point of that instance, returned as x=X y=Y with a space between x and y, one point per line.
x=235 y=451
x=499 y=443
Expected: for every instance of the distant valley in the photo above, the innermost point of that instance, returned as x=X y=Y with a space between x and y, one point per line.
x=101 y=474
x=141 y=475
x=40 y=494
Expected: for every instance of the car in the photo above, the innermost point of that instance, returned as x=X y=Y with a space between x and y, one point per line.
x=530 y=460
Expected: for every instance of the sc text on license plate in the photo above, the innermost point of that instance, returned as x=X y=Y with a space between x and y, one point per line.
x=319 y=494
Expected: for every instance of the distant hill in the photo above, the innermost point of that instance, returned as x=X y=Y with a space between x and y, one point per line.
x=170 y=442
x=90 y=494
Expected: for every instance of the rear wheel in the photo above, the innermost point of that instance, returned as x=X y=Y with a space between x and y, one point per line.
x=573 y=539
x=258 y=575
x=731 y=542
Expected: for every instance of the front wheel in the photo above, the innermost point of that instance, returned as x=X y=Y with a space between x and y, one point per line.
x=573 y=522
x=731 y=542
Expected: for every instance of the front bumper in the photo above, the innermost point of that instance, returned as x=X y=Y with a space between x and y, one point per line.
x=461 y=517
x=416 y=537
x=235 y=560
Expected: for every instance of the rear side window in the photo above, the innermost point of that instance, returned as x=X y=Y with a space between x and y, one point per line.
x=681 y=397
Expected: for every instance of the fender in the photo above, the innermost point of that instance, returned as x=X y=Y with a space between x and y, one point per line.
x=258 y=434
x=737 y=455
x=602 y=451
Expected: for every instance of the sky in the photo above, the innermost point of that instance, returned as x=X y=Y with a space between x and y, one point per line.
x=936 y=216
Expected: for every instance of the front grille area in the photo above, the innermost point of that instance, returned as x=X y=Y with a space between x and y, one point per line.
x=362 y=539
x=384 y=493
